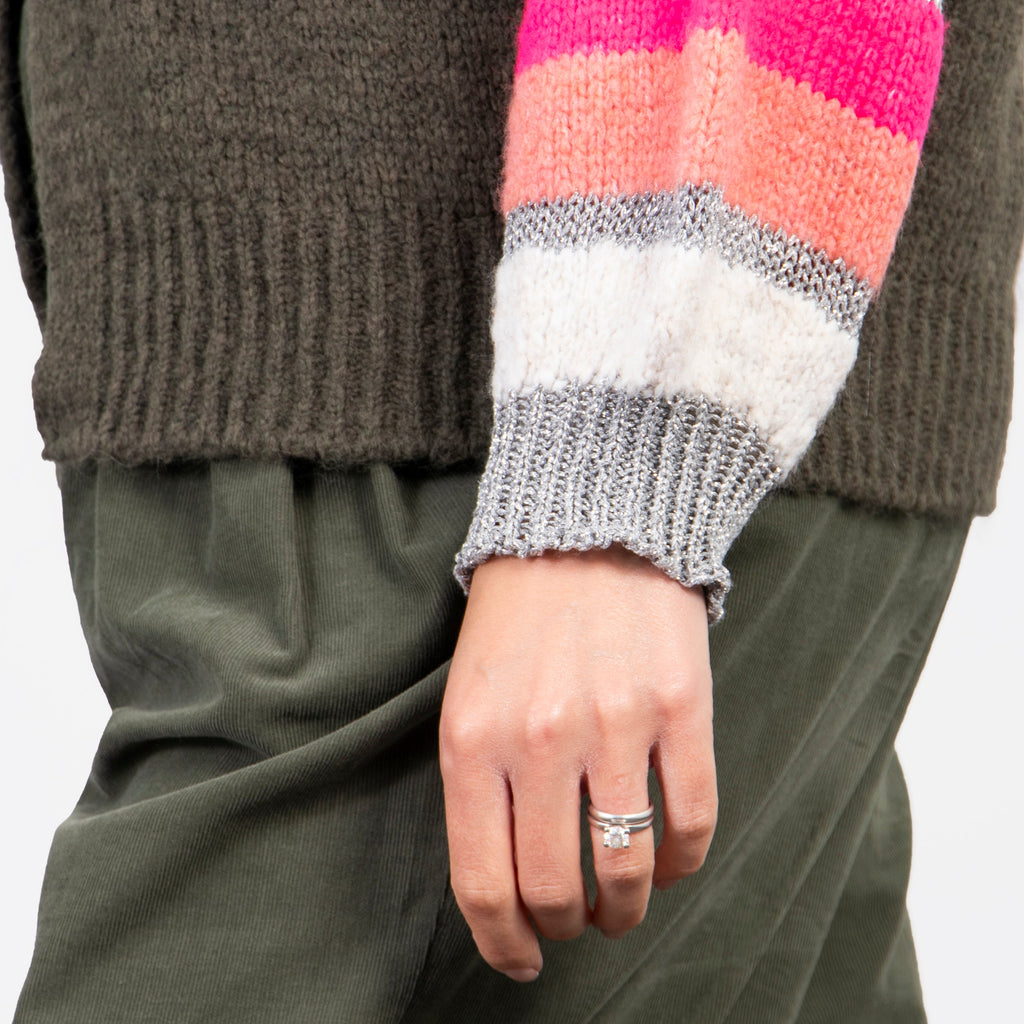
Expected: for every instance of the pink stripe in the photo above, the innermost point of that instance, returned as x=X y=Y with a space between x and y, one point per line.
x=881 y=57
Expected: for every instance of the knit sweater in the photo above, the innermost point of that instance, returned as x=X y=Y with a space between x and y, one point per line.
x=619 y=254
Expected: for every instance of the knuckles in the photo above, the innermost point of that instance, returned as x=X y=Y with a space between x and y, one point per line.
x=484 y=903
x=697 y=827
x=557 y=910
x=552 y=722
x=683 y=694
x=465 y=736
x=550 y=900
x=546 y=730
x=618 y=713
x=690 y=840
x=621 y=875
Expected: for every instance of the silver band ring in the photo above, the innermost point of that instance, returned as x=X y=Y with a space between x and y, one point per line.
x=621 y=819
x=618 y=827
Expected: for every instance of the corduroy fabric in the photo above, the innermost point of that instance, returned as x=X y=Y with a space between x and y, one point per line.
x=261 y=837
x=242 y=242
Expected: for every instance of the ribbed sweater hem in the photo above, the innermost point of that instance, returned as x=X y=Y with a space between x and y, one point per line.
x=162 y=344
x=222 y=328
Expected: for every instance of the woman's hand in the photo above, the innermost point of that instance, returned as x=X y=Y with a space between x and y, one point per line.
x=574 y=671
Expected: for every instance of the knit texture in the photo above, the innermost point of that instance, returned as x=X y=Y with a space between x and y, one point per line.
x=921 y=422
x=701 y=200
x=243 y=236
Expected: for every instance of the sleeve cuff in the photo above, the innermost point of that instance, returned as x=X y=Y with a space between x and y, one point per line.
x=673 y=480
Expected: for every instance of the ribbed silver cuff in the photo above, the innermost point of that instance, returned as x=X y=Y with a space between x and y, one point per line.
x=587 y=466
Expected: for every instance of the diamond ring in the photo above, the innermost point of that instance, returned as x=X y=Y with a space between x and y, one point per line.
x=618 y=827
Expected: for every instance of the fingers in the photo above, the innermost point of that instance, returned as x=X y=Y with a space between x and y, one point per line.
x=547 y=842
x=483 y=872
x=685 y=764
x=623 y=874
x=528 y=713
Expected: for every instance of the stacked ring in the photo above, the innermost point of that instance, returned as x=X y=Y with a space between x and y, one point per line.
x=618 y=827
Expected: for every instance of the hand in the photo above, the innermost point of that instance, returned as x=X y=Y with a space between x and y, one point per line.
x=574 y=672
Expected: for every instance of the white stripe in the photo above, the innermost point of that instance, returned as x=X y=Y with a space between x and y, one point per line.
x=669 y=321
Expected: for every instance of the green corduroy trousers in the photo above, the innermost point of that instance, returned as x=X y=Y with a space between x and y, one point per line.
x=261 y=836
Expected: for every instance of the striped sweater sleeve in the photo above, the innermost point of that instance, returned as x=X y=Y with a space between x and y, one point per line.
x=701 y=198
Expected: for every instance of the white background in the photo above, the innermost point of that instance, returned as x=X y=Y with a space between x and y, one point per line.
x=960 y=743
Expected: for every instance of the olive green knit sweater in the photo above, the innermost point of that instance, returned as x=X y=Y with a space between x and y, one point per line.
x=275 y=229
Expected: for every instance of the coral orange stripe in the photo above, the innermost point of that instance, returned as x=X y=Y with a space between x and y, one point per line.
x=635 y=122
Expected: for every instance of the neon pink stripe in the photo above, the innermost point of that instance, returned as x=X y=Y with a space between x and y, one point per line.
x=881 y=58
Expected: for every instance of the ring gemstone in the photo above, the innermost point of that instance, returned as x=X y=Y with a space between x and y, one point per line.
x=616 y=836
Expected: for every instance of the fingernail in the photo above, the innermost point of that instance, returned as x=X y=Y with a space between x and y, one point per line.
x=665 y=883
x=613 y=935
x=523 y=974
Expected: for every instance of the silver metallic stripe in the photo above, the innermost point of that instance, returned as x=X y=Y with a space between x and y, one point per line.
x=673 y=480
x=696 y=217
